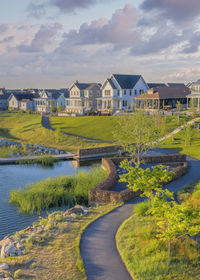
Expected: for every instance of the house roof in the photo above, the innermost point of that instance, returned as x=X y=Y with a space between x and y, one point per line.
x=153 y=85
x=165 y=93
x=21 y=96
x=175 y=84
x=82 y=86
x=5 y=96
x=111 y=83
x=126 y=81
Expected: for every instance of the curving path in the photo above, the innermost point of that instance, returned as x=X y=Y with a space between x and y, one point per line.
x=98 y=248
x=46 y=124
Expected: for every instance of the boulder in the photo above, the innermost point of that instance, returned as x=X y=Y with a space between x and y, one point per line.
x=75 y=210
x=4 y=266
x=8 y=249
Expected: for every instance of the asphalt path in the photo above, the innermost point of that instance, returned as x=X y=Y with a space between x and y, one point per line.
x=98 y=246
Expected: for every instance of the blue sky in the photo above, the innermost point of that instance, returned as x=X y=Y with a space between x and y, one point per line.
x=51 y=43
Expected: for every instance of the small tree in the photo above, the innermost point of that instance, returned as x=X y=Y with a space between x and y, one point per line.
x=178 y=107
x=53 y=109
x=188 y=135
x=135 y=134
x=173 y=220
x=148 y=181
x=193 y=108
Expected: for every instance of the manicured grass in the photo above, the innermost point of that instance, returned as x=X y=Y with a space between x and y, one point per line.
x=58 y=257
x=26 y=128
x=58 y=191
x=178 y=143
x=146 y=257
x=101 y=127
x=98 y=127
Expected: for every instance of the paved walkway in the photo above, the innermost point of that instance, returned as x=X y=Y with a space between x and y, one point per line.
x=98 y=247
x=177 y=130
x=46 y=124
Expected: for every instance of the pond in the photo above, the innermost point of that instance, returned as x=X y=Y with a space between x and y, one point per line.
x=17 y=176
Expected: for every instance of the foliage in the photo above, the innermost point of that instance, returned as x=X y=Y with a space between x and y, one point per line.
x=174 y=220
x=54 y=109
x=58 y=191
x=136 y=134
x=146 y=256
x=146 y=180
x=188 y=135
x=178 y=107
x=141 y=209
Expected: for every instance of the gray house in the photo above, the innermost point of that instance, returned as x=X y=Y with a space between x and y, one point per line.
x=21 y=101
x=82 y=98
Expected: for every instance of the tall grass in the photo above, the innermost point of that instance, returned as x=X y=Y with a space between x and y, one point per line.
x=44 y=160
x=58 y=191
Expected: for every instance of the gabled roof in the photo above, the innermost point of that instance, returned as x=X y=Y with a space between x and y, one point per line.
x=175 y=84
x=126 y=81
x=82 y=86
x=20 y=96
x=165 y=93
x=5 y=96
x=153 y=85
x=111 y=83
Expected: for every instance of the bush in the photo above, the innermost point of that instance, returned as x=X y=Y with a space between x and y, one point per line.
x=141 y=208
x=17 y=274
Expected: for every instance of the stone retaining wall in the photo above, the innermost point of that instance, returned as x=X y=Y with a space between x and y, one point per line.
x=101 y=193
x=97 y=152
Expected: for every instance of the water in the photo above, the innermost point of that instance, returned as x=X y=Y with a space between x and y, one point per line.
x=17 y=176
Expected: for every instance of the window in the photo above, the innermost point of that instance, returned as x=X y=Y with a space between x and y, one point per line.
x=141 y=91
x=130 y=93
x=118 y=92
x=124 y=103
x=107 y=93
x=124 y=92
x=135 y=91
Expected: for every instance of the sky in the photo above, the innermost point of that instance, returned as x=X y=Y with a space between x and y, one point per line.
x=52 y=43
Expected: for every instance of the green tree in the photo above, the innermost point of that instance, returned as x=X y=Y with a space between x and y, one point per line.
x=135 y=134
x=53 y=109
x=193 y=108
x=178 y=108
x=149 y=182
x=174 y=220
x=188 y=135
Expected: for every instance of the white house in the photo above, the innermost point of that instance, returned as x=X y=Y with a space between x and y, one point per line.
x=46 y=100
x=195 y=94
x=82 y=98
x=119 y=92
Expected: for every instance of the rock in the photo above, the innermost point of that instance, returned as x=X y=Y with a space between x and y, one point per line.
x=4 y=266
x=75 y=210
x=19 y=252
x=8 y=249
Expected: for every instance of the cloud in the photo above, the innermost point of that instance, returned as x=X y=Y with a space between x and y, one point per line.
x=3 y=28
x=119 y=30
x=42 y=38
x=7 y=40
x=38 y=8
x=176 y=10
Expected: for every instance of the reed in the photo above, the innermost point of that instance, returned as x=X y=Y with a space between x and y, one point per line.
x=57 y=191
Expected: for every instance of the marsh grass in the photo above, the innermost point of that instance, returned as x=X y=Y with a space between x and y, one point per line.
x=43 y=160
x=147 y=258
x=57 y=191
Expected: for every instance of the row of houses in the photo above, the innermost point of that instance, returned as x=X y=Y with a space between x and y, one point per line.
x=118 y=92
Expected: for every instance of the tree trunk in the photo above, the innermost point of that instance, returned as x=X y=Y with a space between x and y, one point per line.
x=169 y=248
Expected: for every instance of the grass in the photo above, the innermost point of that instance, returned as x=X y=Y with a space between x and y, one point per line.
x=178 y=143
x=101 y=127
x=27 y=129
x=44 y=161
x=146 y=257
x=58 y=257
x=58 y=191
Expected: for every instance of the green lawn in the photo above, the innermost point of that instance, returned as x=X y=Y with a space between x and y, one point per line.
x=178 y=143
x=92 y=127
x=147 y=258
x=27 y=129
x=101 y=127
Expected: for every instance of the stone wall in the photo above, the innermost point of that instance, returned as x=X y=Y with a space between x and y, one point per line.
x=95 y=152
x=101 y=193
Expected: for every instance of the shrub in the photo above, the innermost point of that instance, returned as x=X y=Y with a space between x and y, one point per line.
x=17 y=274
x=141 y=208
